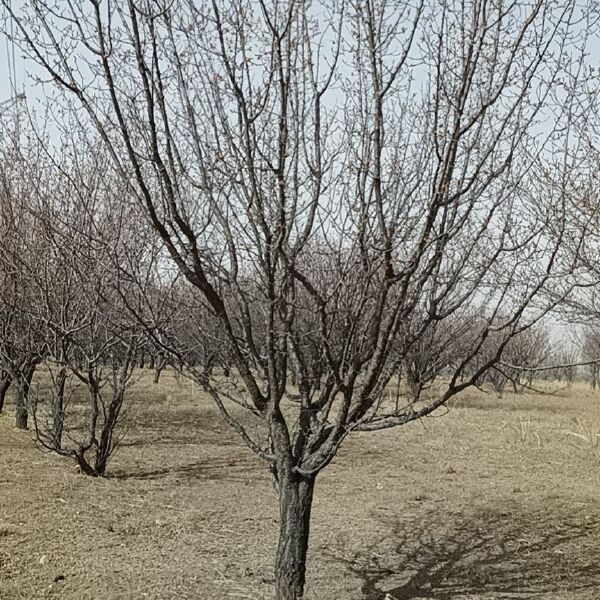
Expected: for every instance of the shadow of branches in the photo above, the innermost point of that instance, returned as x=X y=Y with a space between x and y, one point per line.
x=486 y=555
x=230 y=469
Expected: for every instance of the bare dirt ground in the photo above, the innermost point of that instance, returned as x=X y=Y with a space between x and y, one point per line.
x=495 y=499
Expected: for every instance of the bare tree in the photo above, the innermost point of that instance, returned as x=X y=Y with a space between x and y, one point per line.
x=591 y=352
x=21 y=342
x=522 y=356
x=66 y=269
x=428 y=354
x=323 y=174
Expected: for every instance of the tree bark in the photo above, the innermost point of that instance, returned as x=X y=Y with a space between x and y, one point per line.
x=24 y=383
x=5 y=382
x=58 y=409
x=106 y=446
x=295 y=503
x=159 y=364
x=21 y=414
x=157 y=371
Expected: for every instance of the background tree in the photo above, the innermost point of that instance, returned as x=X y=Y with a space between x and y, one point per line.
x=568 y=357
x=427 y=355
x=68 y=268
x=590 y=351
x=22 y=345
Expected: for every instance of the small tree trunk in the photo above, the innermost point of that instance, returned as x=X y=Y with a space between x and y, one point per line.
x=21 y=415
x=515 y=386
x=84 y=465
x=157 y=372
x=58 y=409
x=207 y=369
x=295 y=503
x=24 y=383
x=107 y=443
x=413 y=383
x=5 y=382
x=159 y=364
x=85 y=449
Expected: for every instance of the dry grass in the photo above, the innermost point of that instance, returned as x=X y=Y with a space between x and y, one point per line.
x=586 y=434
x=495 y=499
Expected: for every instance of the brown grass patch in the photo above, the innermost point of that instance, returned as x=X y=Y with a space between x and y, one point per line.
x=459 y=506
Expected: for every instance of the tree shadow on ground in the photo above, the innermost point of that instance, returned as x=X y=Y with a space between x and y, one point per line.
x=231 y=469
x=181 y=426
x=485 y=555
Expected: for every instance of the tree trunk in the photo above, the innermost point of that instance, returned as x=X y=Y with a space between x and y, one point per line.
x=21 y=415
x=207 y=369
x=5 y=382
x=84 y=465
x=295 y=503
x=23 y=385
x=157 y=371
x=107 y=444
x=159 y=364
x=58 y=408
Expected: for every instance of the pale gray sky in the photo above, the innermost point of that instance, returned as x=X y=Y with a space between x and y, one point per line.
x=22 y=74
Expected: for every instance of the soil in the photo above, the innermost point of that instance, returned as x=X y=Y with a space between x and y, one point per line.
x=489 y=499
